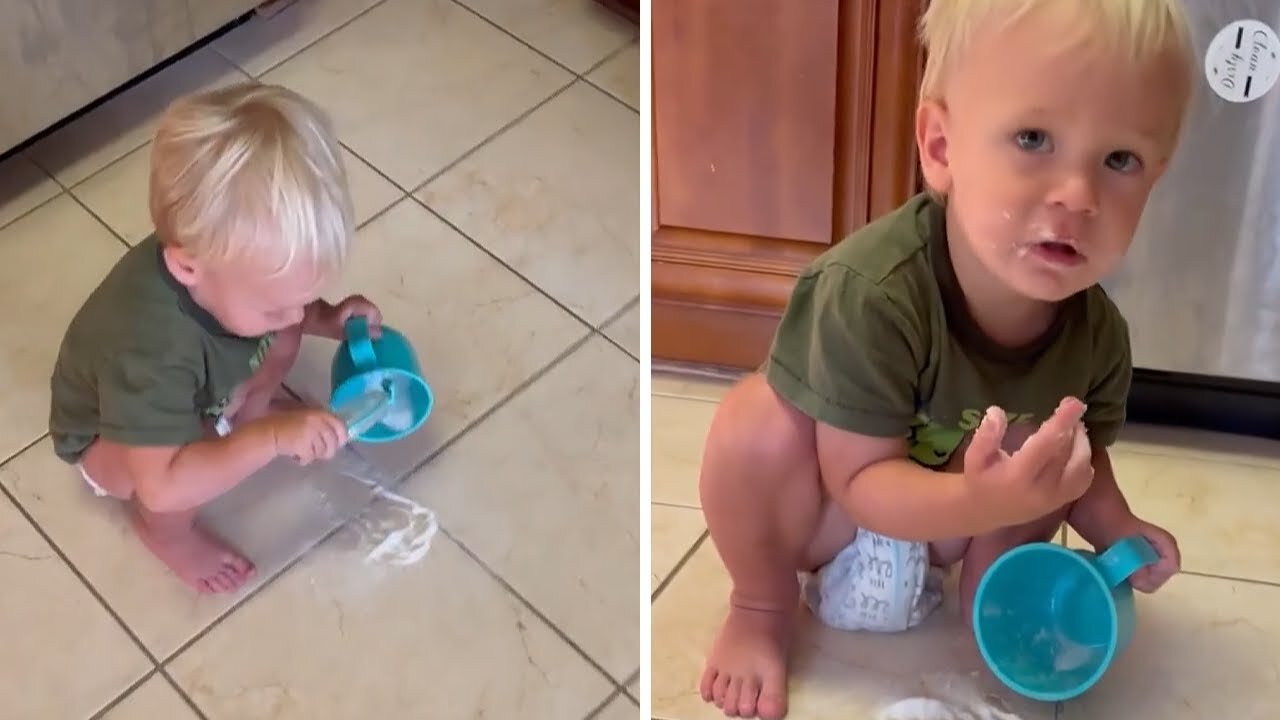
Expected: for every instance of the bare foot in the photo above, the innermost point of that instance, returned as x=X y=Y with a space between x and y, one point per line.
x=198 y=558
x=746 y=672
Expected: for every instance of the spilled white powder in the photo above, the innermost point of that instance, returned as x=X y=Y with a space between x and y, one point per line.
x=947 y=697
x=399 y=529
x=923 y=708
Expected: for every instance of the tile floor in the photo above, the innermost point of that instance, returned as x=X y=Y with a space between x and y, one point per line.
x=493 y=152
x=1206 y=644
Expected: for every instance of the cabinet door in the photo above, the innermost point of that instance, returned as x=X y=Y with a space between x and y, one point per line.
x=778 y=129
x=60 y=55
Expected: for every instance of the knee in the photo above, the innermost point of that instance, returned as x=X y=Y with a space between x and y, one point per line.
x=755 y=431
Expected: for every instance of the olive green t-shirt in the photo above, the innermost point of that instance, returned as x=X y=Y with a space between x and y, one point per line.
x=877 y=340
x=142 y=363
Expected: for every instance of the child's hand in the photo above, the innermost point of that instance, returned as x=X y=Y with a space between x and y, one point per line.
x=330 y=320
x=308 y=435
x=1052 y=468
x=1152 y=577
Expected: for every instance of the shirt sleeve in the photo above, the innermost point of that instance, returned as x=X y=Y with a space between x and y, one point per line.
x=149 y=399
x=1113 y=372
x=843 y=354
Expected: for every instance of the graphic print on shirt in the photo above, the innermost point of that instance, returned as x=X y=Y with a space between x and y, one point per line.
x=932 y=443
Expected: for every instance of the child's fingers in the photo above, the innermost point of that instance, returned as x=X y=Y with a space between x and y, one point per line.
x=1051 y=444
x=985 y=445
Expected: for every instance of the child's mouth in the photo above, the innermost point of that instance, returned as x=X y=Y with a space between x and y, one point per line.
x=1059 y=253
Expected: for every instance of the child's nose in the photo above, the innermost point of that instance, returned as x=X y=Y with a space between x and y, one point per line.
x=1076 y=191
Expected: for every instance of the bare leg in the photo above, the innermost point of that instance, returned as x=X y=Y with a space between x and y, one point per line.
x=196 y=556
x=767 y=516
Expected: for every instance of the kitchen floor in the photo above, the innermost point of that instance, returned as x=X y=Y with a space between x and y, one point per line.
x=1206 y=644
x=493 y=154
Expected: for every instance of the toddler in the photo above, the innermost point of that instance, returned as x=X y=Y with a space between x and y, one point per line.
x=945 y=383
x=162 y=394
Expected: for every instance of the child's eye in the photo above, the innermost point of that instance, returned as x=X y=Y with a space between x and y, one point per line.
x=1032 y=140
x=1123 y=161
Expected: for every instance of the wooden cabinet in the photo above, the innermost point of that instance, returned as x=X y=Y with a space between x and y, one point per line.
x=778 y=128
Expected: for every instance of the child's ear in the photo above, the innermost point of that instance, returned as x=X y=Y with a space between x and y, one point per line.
x=931 y=143
x=181 y=265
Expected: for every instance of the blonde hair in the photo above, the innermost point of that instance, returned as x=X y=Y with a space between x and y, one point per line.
x=251 y=172
x=1144 y=29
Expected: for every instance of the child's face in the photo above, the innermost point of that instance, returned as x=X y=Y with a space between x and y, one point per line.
x=1047 y=147
x=244 y=298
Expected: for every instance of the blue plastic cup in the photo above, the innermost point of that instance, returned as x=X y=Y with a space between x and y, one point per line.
x=1049 y=620
x=362 y=363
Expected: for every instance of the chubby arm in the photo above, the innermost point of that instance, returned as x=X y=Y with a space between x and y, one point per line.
x=1102 y=511
x=882 y=490
x=174 y=479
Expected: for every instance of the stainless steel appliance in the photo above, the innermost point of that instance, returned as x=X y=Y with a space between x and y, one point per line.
x=1201 y=285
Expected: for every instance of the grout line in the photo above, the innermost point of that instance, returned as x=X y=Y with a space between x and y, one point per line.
x=1231 y=578
x=490 y=138
x=542 y=291
x=515 y=37
x=41 y=204
x=311 y=44
x=610 y=95
x=129 y=690
x=305 y=552
x=533 y=609
x=1058 y=710
x=594 y=712
x=633 y=302
x=697 y=544
x=23 y=449
x=102 y=222
x=93 y=591
x=678 y=396
x=675 y=505
x=182 y=693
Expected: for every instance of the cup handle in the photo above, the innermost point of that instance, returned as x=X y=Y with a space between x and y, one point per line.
x=359 y=345
x=1126 y=557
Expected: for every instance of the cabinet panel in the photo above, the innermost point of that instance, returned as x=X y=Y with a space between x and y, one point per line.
x=60 y=55
x=746 y=116
x=775 y=135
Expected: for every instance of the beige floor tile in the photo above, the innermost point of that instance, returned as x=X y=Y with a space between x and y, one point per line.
x=675 y=530
x=127 y=121
x=835 y=675
x=43 y=291
x=63 y=656
x=414 y=84
x=625 y=330
x=339 y=638
x=620 y=708
x=1201 y=444
x=555 y=198
x=272 y=518
x=458 y=307
x=577 y=33
x=679 y=430
x=1222 y=513
x=559 y=466
x=686 y=385
x=23 y=186
x=1205 y=649
x=620 y=76
x=154 y=700
x=118 y=193
x=264 y=42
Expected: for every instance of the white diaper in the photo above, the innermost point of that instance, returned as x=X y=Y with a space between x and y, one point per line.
x=95 y=487
x=875 y=583
x=222 y=426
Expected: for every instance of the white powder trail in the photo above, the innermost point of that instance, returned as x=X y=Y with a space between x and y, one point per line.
x=403 y=538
